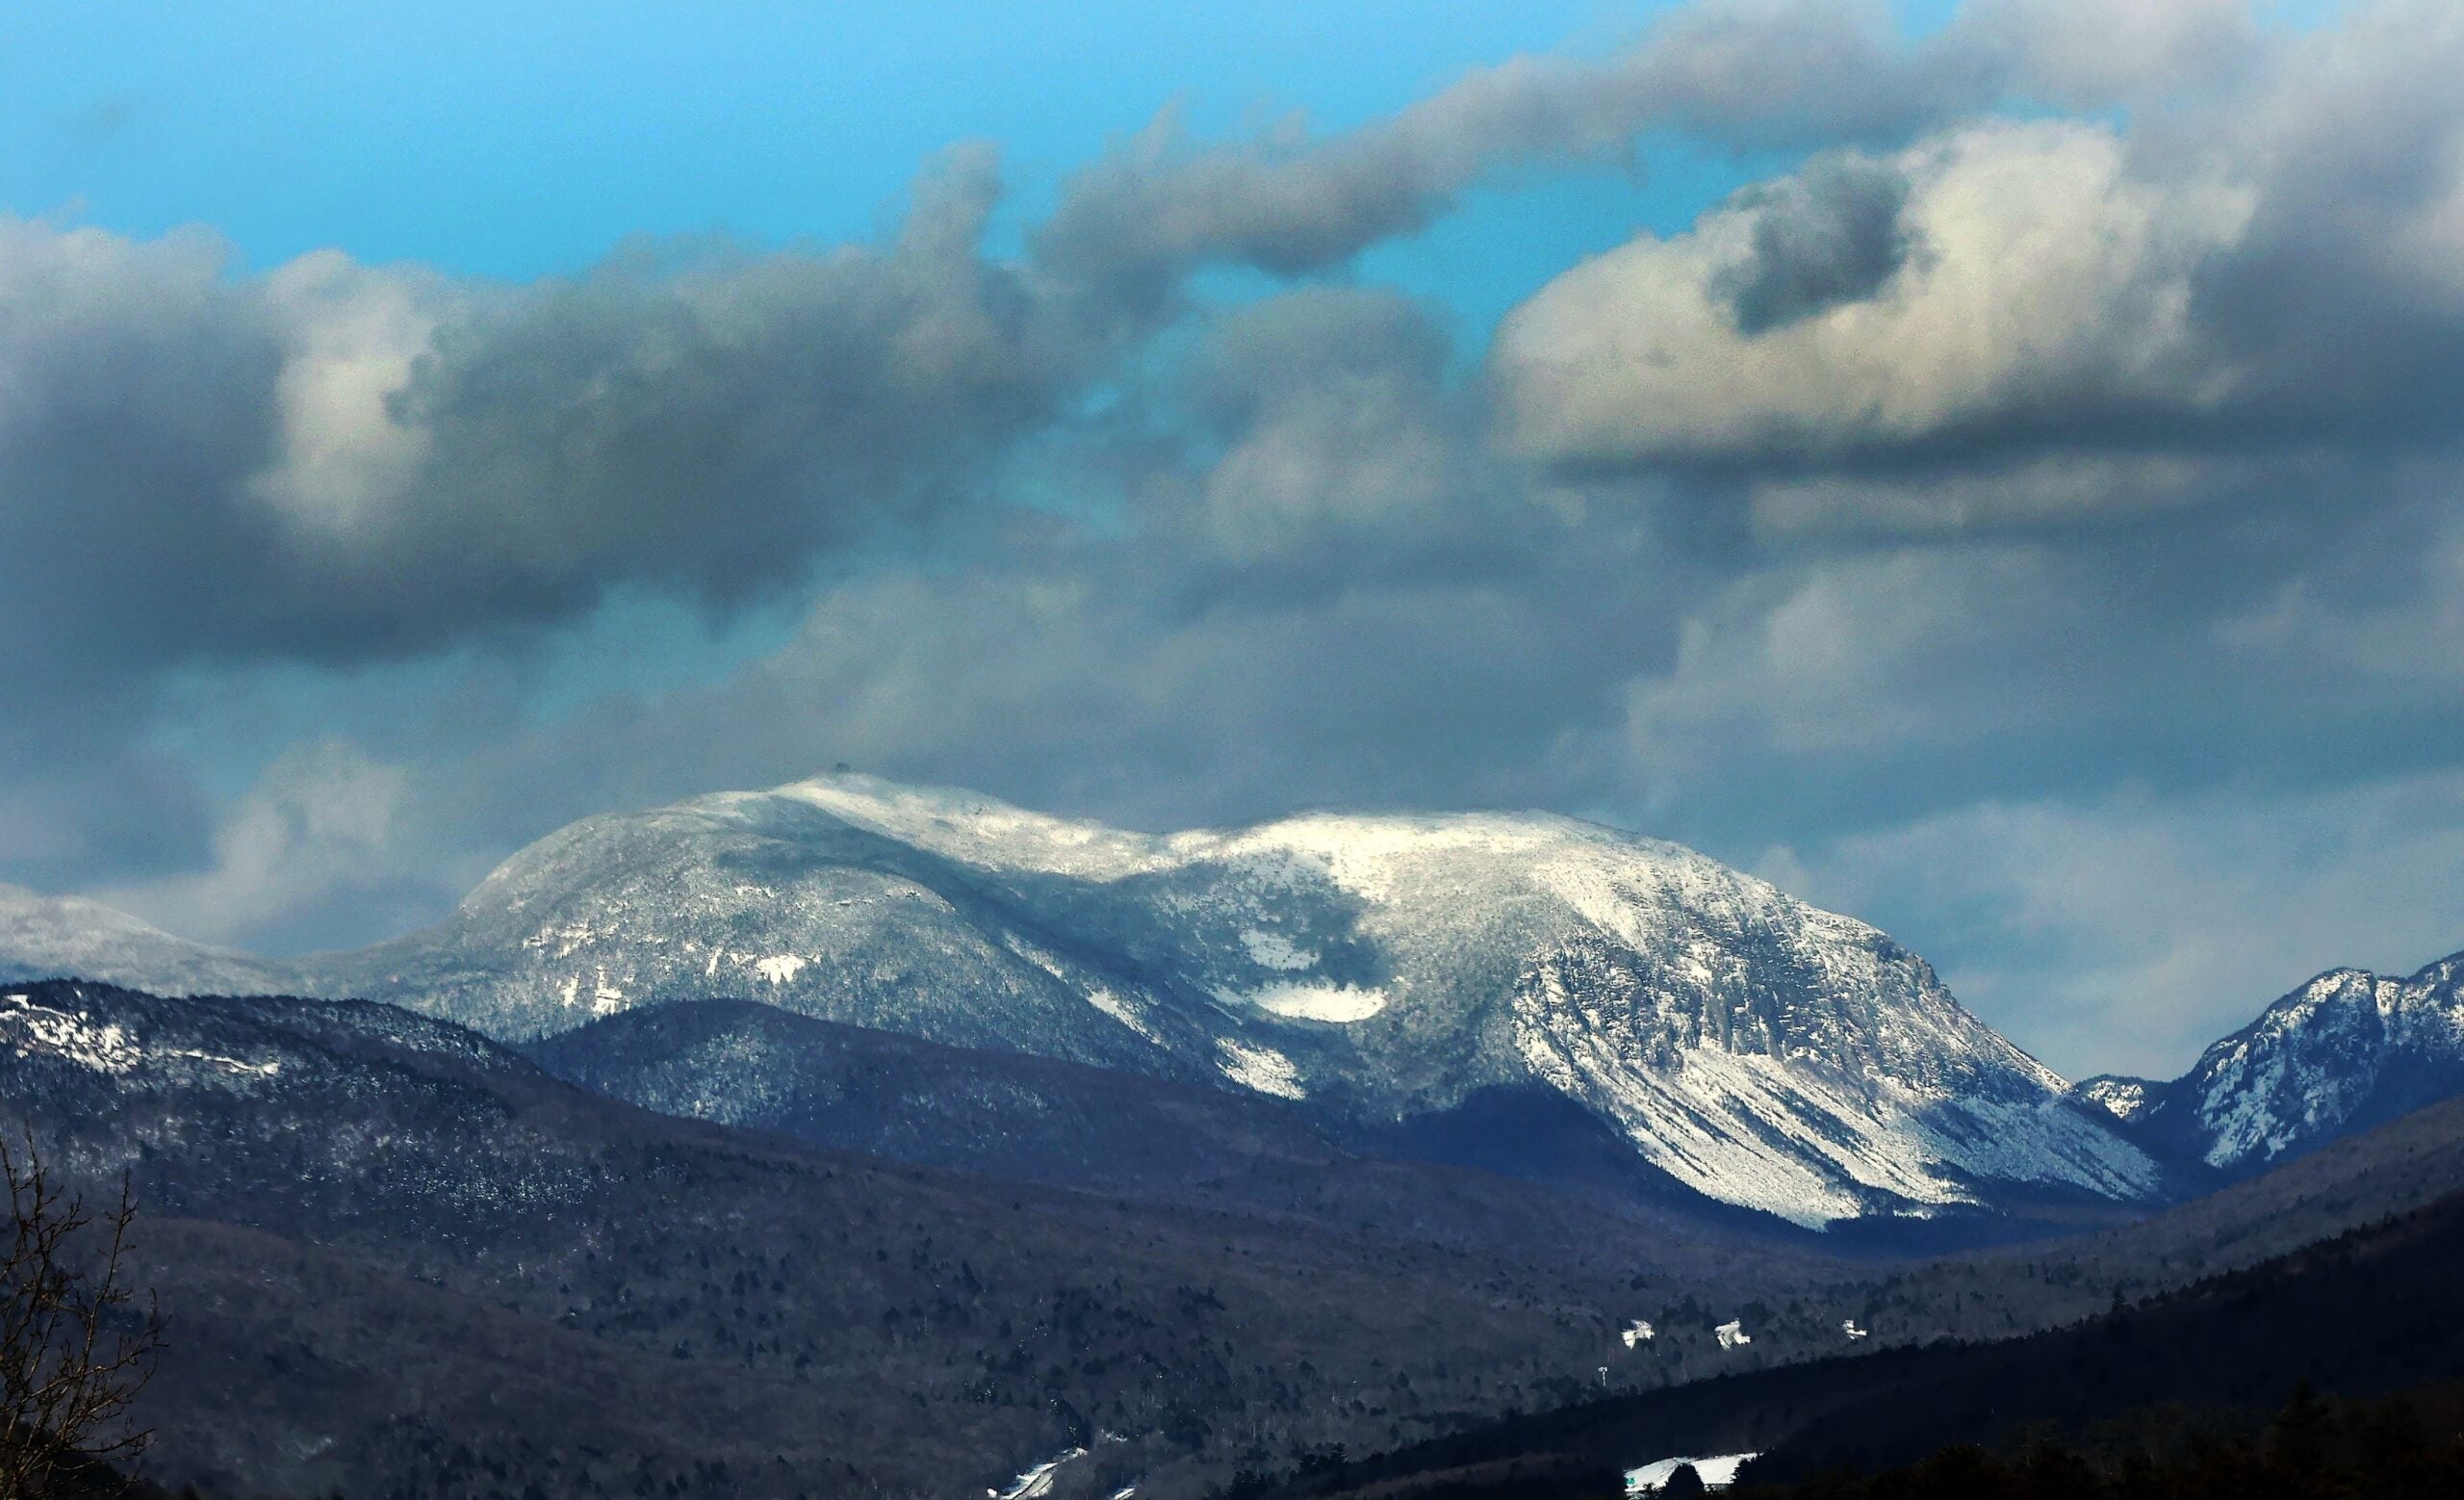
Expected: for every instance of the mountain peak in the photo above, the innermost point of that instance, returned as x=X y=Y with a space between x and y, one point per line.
x=2125 y=1098
x=2344 y=1050
x=44 y=937
x=1379 y=967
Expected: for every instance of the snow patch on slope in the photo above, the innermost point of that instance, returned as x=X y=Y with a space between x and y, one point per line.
x=76 y=1038
x=1717 y=1471
x=2123 y=1099
x=1274 y=951
x=1037 y=1482
x=1307 y=1000
x=1260 y=1068
x=1098 y=995
x=779 y=968
x=1121 y=1010
x=72 y=1037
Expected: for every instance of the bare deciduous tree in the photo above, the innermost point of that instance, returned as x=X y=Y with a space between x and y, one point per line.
x=76 y=1341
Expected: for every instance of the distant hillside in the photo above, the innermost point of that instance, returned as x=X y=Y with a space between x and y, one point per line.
x=400 y=1259
x=2374 y=1310
x=2395 y=1170
x=48 y=937
x=1004 y=1114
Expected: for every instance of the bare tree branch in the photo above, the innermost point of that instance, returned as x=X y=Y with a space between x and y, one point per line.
x=77 y=1343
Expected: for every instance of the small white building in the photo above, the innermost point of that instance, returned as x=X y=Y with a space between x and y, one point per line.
x=1848 y=1326
x=1731 y=1334
x=1718 y=1472
x=1036 y=1483
x=1638 y=1334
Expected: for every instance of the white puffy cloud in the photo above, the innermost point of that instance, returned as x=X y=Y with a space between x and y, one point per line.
x=352 y=337
x=2039 y=278
x=321 y=828
x=2258 y=260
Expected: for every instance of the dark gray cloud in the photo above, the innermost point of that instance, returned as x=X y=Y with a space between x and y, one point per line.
x=1316 y=441
x=1954 y=739
x=336 y=462
x=1745 y=74
x=1780 y=74
x=1830 y=234
x=344 y=465
x=71 y=816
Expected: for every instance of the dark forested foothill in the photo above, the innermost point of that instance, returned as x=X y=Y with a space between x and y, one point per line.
x=2373 y=1311
x=2407 y=1446
x=400 y=1259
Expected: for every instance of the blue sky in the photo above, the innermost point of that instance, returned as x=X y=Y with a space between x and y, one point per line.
x=524 y=140
x=1990 y=468
x=521 y=141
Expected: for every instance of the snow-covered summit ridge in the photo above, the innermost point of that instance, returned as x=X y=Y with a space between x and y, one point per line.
x=967 y=826
x=2124 y=1098
x=2345 y=1050
x=1413 y=875
x=1752 y=1046
x=1385 y=967
x=1360 y=850
x=43 y=937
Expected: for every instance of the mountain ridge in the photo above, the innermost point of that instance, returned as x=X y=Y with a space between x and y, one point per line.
x=1382 y=967
x=2343 y=1051
x=1755 y=1048
x=48 y=937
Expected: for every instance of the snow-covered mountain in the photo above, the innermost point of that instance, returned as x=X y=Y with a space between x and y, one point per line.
x=1751 y=1048
x=2343 y=1052
x=43 y=937
x=2125 y=1098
